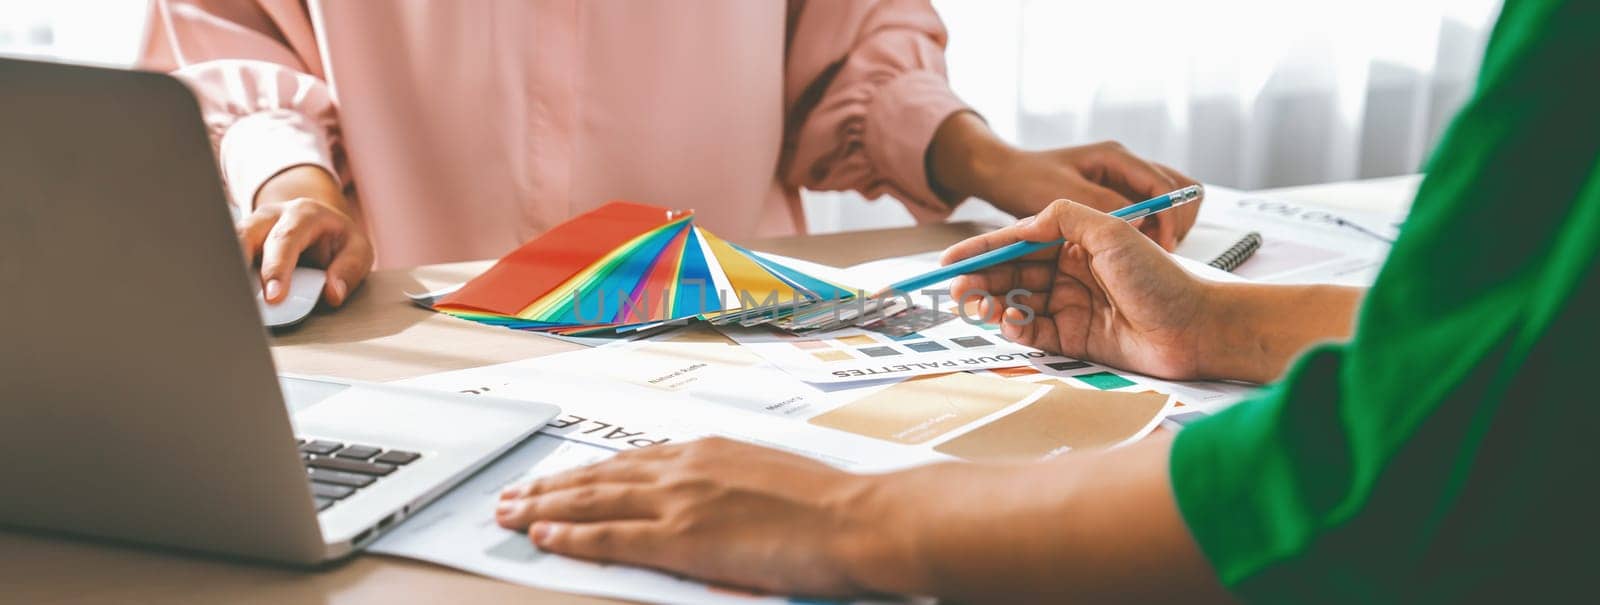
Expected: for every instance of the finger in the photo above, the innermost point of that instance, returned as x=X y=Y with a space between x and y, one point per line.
x=980 y=244
x=1071 y=314
x=967 y=283
x=1017 y=327
x=1161 y=229
x=1062 y=219
x=1076 y=266
x=1025 y=230
x=609 y=471
x=985 y=310
x=1036 y=278
x=1185 y=215
x=1024 y=283
x=978 y=299
x=1095 y=231
x=1137 y=179
x=1178 y=177
x=588 y=503
x=981 y=282
x=1129 y=174
x=252 y=231
x=295 y=231
x=1153 y=227
x=1101 y=197
x=346 y=271
x=633 y=542
x=1034 y=282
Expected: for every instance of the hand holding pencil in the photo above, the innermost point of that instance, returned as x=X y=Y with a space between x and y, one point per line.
x=1108 y=293
x=833 y=315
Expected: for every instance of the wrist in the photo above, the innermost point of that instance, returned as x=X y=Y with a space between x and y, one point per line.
x=1228 y=345
x=1253 y=332
x=965 y=159
x=302 y=181
x=878 y=537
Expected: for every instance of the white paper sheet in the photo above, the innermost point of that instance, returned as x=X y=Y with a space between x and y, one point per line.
x=459 y=531
x=1301 y=243
x=599 y=417
x=615 y=398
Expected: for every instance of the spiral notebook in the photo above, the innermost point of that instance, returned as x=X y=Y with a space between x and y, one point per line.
x=1222 y=248
x=1239 y=252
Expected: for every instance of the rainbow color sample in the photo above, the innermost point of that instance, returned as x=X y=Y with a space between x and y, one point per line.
x=624 y=267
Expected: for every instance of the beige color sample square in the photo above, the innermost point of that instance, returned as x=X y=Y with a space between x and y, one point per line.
x=698 y=343
x=1061 y=419
x=925 y=407
x=857 y=340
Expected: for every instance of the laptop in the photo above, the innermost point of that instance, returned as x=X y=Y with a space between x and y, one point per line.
x=138 y=397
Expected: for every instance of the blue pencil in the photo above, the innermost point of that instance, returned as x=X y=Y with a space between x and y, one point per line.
x=834 y=314
x=1160 y=203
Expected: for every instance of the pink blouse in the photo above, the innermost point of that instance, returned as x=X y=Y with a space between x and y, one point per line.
x=463 y=128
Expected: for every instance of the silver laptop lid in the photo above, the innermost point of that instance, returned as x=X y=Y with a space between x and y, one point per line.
x=137 y=394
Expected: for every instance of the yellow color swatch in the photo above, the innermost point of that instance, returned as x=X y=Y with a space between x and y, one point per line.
x=832 y=355
x=746 y=277
x=856 y=340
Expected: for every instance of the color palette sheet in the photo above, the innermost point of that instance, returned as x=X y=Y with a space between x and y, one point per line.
x=888 y=349
x=1056 y=370
x=1205 y=395
x=625 y=267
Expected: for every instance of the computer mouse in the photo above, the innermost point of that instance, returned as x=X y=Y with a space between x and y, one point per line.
x=305 y=288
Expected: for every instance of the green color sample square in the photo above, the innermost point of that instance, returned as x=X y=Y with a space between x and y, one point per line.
x=1104 y=381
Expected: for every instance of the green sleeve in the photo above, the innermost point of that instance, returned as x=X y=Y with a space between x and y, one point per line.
x=1435 y=457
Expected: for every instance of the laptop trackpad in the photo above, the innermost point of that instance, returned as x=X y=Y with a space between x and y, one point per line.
x=302 y=393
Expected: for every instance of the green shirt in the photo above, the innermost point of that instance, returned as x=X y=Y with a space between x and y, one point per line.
x=1445 y=453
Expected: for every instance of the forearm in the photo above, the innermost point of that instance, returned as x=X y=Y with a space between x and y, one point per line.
x=1091 y=527
x=1254 y=331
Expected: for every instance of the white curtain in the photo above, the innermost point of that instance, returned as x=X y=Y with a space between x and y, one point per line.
x=102 y=32
x=1244 y=93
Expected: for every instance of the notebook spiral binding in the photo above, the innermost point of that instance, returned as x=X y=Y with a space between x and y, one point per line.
x=1239 y=252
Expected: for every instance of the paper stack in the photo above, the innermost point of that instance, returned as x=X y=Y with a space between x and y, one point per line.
x=625 y=267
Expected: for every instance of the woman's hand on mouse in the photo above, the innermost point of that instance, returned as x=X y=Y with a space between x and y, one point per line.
x=301 y=215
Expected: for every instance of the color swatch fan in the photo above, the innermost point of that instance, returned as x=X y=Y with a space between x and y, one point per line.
x=624 y=267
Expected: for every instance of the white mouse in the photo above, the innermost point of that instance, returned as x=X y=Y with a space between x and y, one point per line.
x=305 y=288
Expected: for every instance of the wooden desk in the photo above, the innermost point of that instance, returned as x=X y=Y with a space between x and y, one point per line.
x=378 y=336
x=381 y=336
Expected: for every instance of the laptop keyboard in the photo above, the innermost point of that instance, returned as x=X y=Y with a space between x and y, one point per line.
x=337 y=470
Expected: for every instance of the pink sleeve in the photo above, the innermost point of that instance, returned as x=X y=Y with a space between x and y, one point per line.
x=253 y=66
x=865 y=89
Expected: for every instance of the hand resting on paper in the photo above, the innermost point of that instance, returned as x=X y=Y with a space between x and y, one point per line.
x=752 y=513
x=1113 y=297
x=742 y=515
